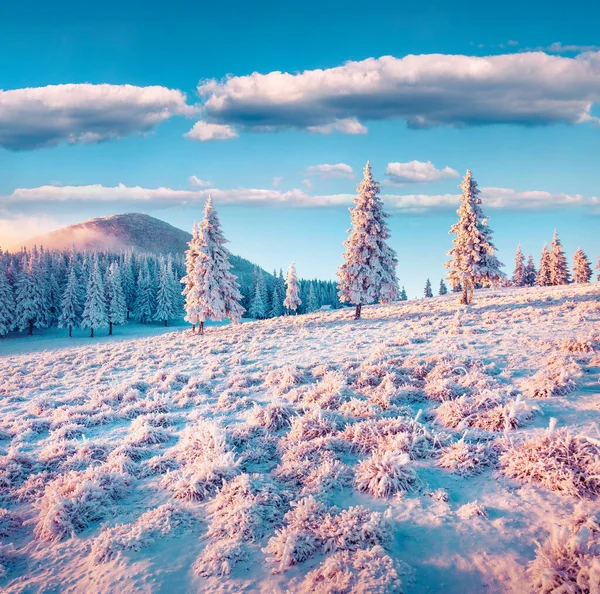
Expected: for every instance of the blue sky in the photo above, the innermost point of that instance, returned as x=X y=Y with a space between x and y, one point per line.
x=529 y=126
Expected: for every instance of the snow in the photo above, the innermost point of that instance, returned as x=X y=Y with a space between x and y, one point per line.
x=427 y=447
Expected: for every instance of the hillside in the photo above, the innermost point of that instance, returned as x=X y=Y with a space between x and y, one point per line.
x=134 y=231
x=425 y=448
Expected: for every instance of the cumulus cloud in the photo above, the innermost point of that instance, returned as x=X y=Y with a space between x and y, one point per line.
x=494 y=198
x=415 y=172
x=324 y=171
x=203 y=131
x=196 y=182
x=528 y=89
x=83 y=113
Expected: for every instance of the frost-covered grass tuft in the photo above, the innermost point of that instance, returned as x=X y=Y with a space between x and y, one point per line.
x=558 y=376
x=471 y=510
x=314 y=423
x=577 y=345
x=273 y=416
x=556 y=460
x=10 y=522
x=385 y=473
x=466 y=458
x=569 y=560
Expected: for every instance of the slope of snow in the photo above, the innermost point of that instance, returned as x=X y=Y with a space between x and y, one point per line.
x=426 y=448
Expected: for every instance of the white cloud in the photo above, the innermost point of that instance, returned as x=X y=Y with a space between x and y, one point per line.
x=532 y=88
x=196 y=182
x=83 y=113
x=276 y=181
x=324 y=171
x=307 y=184
x=494 y=198
x=204 y=131
x=417 y=172
x=558 y=47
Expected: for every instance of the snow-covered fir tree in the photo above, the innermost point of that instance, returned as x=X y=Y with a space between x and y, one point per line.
x=142 y=309
x=544 y=275
x=473 y=260
x=530 y=272
x=258 y=304
x=312 y=304
x=403 y=296
x=128 y=282
x=443 y=290
x=292 y=299
x=368 y=273
x=212 y=291
x=559 y=267
x=115 y=298
x=582 y=269
x=30 y=305
x=428 y=292
x=7 y=302
x=70 y=311
x=95 y=313
x=167 y=295
x=276 y=300
x=518 y=278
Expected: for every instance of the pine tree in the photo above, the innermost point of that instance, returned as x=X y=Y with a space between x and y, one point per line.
x=29 y=297
x=142 y=309
x=559 y=267
x=428 y=291
x=544 y=275
x=311 y=303
x=70 y=313
x=403 y=296
x=7 y=302
x=292 y=298
x=94 y=312
x=276 y=301
x=258 y=306
x=519 y=273
x=368 y=273
x=473 y=258
x=443 y=288
x=128 y=282
x=166 y=296
x=530 y=272
x=212 y=291
x=582 y=269
x=115 y=298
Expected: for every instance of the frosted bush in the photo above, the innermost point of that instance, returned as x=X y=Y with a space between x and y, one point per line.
x=471 y=510
x=558 y=376
x=159 y=465
x=10 y=522
x=141 y=432
x=555 y=460
x=569 y=560
x=360 y=409
x=232 y=400
x=273 y=416
x=466 y=458
x=166 y=520
x=282 y=380
x=301 y=458
x=75 y=499
x=8 y=557
x=384 y=474
x=328 y=477
x=443 y=389
x=314 y=423
x=370 y=570
x=202 y=439
x=577 y=345
x=329 y=392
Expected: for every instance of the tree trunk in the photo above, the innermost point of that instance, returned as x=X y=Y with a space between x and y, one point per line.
x=193 y=328
x=201 y=328
x=358 y=311
x=30 y=331
x=464 y=298
x=110 y=325
x=165 y=323
x=91 y=333
x=128 y=314
x=472 y=289
x=70 y=331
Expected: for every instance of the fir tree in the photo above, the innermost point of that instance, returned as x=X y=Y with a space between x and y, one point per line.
x=403 y=296
x=292 y=298
x=128 y=282
x=142 y=309
x=212 y=291
x=368 y=273
x=258 y=305
x=29 y=297
x=166 y=297
x=94 y=312
x=70 y=313
x=530 y=272
x=443 y=288
x=428 y=292
x=7 y=302
x=276 y=301
x=473 y=258
x=544 y=275
x=582 y=269
x=311 y=303
x=519 y=273
x=559 y=267
x=115 y=297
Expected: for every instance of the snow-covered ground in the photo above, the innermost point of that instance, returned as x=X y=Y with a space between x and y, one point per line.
x=424 y=448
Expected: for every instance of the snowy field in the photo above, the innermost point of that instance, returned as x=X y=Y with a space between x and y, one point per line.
x=424 y=448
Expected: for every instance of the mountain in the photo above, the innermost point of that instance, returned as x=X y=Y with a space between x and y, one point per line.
x=135 y=231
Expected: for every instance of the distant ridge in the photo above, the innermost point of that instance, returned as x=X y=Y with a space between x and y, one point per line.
x=130 y=231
